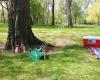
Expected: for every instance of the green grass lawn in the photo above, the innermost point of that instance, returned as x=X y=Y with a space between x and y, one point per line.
x=71 y=62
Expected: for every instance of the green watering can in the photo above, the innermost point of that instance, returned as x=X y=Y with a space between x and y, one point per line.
x=35 y=54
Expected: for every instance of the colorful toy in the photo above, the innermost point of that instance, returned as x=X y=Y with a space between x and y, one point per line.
x=18 y=49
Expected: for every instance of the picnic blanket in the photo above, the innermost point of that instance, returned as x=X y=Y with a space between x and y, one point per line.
x=95 y=51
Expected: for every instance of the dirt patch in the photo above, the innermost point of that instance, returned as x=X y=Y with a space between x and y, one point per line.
x=42 y=79
x=60 y=43
x=2 y=47
x=63 y=42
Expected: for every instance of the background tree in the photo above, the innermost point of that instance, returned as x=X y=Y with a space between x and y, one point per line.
x=76 y=11
x=3 y=12
x=48 y=11
x=69 y=13
x=36 y=11
x=60 y=12
x=53 y=12
x=93 y=13
x=40 y=11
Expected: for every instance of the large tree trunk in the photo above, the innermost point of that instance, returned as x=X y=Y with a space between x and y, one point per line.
x=53 y=13
x=69 y=15
x=10 y=45
x=19 y=23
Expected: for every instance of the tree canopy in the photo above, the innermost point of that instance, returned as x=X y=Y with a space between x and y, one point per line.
x=42 y=11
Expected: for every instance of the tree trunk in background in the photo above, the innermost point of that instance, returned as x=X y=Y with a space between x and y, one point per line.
x=19 y=22
x=3 y=13
x=98 y=20
x=53 y=13
x=69 y=15
x=75 y=20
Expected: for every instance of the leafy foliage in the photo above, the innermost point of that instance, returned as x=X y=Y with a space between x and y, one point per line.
x=94 y=13
x=76 y=11
x=40 y=11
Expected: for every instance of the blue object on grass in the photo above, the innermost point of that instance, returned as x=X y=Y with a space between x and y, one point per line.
x=35 y=54
x=92 y=40
x=96 y=51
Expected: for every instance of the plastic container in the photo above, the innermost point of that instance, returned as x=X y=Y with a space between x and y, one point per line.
x=35 y=54
x=91 y=41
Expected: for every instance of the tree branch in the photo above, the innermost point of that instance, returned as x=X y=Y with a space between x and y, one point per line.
x=3 y=5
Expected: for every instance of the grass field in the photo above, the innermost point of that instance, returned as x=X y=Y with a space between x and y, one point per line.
x=71 y=62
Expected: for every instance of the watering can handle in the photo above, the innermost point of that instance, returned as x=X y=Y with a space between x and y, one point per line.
x=35 y=54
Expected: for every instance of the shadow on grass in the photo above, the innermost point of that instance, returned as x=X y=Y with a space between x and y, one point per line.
x=62 y=26
x=48 y=26
x=71 y=53
x=85 y=26
x=8 y=58
x=74 y=47
x=12 y=65
x=76 y=51
x=4 y=57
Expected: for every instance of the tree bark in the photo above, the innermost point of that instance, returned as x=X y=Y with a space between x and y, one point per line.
x=98 y=20
x=69 y=15
x=19 y=22
x=10 y=45
x=75 y=19
x=53 y=13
